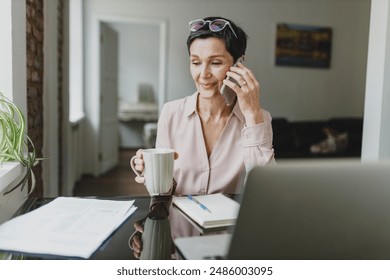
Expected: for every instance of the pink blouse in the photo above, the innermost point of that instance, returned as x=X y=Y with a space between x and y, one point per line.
x=238 y=149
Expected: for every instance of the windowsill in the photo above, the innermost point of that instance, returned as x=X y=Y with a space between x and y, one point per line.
x=76 y=118
x=9 y=172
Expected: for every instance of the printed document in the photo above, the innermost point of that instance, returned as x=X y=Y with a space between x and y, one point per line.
x=66 y=226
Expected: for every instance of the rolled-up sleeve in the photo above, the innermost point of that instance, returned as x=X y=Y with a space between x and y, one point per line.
x=257 y=143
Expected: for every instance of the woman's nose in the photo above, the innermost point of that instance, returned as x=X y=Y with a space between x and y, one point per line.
x=205 y=71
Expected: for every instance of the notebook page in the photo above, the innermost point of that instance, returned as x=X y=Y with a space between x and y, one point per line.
x=218 y=210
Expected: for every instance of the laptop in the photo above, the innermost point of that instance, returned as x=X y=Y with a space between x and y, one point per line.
x=307 y=210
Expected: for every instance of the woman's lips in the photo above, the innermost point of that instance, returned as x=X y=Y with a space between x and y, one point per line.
x=207 y=85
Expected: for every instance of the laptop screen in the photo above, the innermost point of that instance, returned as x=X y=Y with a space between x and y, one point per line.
x=315 y=210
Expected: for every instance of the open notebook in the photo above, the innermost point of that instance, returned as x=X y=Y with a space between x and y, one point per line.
x=209 y=211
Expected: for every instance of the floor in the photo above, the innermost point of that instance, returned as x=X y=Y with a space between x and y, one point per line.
x=116 y=182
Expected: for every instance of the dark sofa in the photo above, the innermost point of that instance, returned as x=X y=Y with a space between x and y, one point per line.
x=293 y=139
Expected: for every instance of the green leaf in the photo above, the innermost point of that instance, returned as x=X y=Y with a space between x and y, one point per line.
x=14 y=142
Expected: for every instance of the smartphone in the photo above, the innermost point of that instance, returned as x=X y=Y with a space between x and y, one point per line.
x=229 y=95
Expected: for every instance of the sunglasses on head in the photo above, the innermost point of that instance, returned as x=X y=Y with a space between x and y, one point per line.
x=215 y=25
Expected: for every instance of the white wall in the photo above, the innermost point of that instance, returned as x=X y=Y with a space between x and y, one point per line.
x=296 y=93
x=376 y=133
x=137 y=64
x=13 y=76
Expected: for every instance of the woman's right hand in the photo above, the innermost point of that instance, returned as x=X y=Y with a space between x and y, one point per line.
x=139 y=166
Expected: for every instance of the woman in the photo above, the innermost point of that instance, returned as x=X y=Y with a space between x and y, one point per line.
x=216 y=144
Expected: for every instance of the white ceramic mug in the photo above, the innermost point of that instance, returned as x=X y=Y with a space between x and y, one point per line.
x=158 y=170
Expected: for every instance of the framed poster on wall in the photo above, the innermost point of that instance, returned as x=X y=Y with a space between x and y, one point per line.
x=303 y=46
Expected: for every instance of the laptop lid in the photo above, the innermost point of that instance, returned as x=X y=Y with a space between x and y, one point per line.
x=315 y=210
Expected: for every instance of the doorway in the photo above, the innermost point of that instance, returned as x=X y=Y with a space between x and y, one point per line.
x=141 y=61
x=138 y=79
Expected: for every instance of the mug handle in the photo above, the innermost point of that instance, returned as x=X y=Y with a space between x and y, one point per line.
x=132 y=165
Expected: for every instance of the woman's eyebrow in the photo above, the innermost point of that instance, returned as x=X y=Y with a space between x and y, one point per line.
x=209 y=57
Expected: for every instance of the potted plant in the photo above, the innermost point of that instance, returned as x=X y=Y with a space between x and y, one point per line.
x=15 y=144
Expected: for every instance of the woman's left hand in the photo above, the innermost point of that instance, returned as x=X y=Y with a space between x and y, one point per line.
x=248 y=93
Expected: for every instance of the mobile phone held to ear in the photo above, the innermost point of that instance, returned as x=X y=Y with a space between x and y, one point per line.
x=229 y=94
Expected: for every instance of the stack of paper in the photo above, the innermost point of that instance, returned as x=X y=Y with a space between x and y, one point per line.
x=209 y=211
x=74 y=227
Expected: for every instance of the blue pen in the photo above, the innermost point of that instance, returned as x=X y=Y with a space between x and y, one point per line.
x=190 y=197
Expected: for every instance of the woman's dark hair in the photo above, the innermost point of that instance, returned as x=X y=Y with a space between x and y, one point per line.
x=236 y=46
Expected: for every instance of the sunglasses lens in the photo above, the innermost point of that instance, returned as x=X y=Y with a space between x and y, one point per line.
x=196 y=25
x=217 y=25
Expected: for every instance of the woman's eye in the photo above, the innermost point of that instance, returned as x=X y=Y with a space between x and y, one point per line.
x=216 y=62
x=195 y=62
